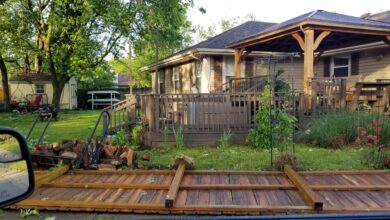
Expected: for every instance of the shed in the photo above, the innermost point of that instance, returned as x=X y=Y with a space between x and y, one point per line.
x=23 y=84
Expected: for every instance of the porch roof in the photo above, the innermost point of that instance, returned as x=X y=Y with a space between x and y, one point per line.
x=344 y=31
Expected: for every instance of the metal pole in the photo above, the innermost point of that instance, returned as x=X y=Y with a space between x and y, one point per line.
x=156 y=60
x=269 y=109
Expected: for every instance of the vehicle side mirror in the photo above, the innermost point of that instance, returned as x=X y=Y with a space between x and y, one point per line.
x=16 y=172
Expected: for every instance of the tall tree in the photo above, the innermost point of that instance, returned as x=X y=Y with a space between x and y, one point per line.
x=74 y=37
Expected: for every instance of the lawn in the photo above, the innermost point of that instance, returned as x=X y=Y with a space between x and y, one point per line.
x=248 y=158
x=70 y=125
x=79 y=125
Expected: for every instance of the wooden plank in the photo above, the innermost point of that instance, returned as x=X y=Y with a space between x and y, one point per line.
x=308 y=194
x=174 y=188
x=52 y=175
x=98 y=172
x=235 y=187
x=106 y=186
x=349 y=187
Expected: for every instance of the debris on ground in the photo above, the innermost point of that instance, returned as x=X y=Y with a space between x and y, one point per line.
x=188 y=161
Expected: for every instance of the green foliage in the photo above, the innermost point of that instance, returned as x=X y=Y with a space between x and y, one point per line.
x=225 y=138
x=281 y=85
x=282 y=125
x=120 y=138
x=24 y=213
x=136 y=136
x=340 y=129
x=165 y=135
x=179 y=137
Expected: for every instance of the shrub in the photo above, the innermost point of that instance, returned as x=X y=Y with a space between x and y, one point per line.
x=120 y=138
x=339 y=129
x=179 y=137
x=286 y=158
x=225 y=138
x=136 y=136
x=282 y=125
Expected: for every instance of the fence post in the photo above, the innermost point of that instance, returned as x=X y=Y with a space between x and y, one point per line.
x=343 y=93
x=156 y=117
x=301 y=109
x=105 y=125
x=313 y=97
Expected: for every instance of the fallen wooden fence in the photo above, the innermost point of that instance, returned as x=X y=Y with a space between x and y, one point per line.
x=211 y=192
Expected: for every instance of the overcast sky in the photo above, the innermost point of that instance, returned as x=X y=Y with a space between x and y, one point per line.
x=279 y=10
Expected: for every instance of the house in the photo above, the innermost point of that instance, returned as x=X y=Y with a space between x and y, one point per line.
x=207 y=65
x=22 y=85
x=331 y=61
x=210 y=64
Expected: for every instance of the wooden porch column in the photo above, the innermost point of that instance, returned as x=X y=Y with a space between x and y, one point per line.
x=308 y=59
x=237 y=62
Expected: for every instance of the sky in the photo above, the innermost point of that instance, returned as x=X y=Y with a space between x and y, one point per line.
x=278 y=10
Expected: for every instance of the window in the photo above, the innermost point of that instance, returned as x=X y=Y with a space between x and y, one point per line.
x=176 y=79
x=198 y=75
x=39 y=88
x=341 y=66
x=229 y=66
x=161 y=80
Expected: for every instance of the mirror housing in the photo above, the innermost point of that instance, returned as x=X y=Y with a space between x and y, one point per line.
x=14 y=177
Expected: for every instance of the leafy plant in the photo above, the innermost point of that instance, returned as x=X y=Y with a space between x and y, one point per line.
x=225 y=138
x=136 y=136
x=339 y=129
x=165 y=135
x=120 y=138
x=280 y=131
x=179 y=137
x=24 y=213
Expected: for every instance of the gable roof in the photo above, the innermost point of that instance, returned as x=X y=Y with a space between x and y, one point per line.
x=317 y=19
x=218 y=42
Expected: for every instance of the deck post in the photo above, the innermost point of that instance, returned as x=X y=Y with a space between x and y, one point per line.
x=343 y=93
x=175 y=184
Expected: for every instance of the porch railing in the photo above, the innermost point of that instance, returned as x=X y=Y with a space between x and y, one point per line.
x=243 y=84
x=123 y=114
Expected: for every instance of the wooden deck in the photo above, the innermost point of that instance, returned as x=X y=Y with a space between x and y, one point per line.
x=211 y=192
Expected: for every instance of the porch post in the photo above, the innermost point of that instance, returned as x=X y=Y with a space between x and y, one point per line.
x=237 y=62
x=308 y=63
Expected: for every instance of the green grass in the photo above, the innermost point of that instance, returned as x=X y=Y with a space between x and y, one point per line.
x=70 y=125
x=248 y=158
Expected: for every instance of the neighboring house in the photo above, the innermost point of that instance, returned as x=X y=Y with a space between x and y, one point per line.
x=207 y=65
x=210 y=64
x=23 y=85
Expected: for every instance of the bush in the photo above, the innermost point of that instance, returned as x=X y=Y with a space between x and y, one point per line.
x=282 y=125
x=340 y=129
x=284 y=159
x=136 y=136
x=225 y=138
x=120 y=138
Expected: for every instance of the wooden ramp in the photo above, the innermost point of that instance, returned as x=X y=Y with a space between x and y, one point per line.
x=211 y=192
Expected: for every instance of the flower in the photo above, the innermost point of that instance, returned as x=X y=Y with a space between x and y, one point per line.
x=363 y=133
x=382 y=146
x=374 y=123
x=372 y=137
x=369 y=145
x=379 y=130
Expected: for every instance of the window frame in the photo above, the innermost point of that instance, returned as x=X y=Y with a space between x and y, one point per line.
x=41 y=90
x=343 y=66
x=176 y=78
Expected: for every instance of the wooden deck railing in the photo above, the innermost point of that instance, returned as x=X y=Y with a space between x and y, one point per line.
x=123 y=113
x=243 y=84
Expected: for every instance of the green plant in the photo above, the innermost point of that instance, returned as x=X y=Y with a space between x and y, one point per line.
x=165 y=135
x=179 y=137
x=286 y=158
x=24 y=213
x=280 y=131
x=225 y=138
x=120 y=138
x=339 y=129
x=136 y=136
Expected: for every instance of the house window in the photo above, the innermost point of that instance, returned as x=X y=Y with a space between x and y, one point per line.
x=198 y=75
x=39 y=88
x=341 y=66
x=161 y=80
x=176 y=79
x=229 y=69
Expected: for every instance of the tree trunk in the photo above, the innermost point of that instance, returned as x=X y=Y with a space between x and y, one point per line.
x=57 y=91
x=4 y=80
